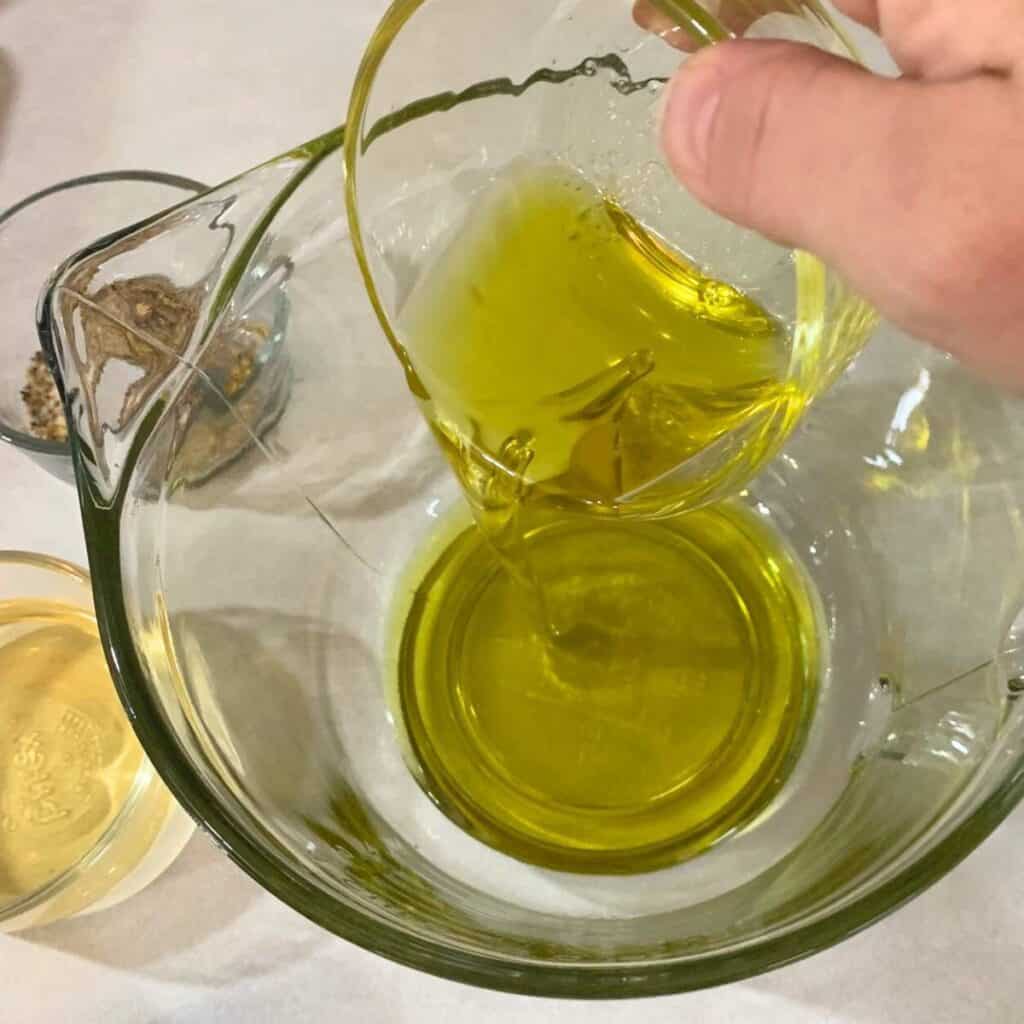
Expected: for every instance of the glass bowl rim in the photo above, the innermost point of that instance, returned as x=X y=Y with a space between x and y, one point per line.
x=8 y=433
x=270 y=869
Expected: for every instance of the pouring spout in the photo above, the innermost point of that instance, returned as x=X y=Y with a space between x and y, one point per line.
x=186 y=310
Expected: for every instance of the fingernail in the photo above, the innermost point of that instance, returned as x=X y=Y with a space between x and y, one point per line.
x=689 y=119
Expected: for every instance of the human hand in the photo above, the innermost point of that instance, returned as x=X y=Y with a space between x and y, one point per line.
x=909 y=187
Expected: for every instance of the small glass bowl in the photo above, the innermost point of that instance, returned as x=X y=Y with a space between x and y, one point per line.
x=36 y=236
x=146 y=834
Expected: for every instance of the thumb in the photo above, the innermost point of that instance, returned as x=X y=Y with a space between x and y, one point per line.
x=804 y=147
x=909 y=189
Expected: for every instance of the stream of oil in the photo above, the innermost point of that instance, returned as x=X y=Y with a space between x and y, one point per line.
x=589 y=680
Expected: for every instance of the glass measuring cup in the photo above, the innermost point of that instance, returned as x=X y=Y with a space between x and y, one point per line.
x=578 y=86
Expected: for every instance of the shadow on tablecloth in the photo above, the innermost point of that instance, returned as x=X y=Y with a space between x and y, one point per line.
x=954 y=954
x=187 y=927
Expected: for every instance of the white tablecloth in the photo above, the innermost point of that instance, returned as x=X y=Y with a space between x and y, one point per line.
x=207 y=88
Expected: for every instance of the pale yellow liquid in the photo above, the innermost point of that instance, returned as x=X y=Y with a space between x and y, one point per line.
x=68 y=758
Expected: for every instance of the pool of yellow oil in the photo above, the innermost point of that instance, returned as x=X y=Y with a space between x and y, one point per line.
x=589 y=680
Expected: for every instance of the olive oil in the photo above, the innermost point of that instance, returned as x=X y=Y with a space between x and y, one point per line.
x=590 y=681
x=664 y=719
x=68 y=759
x=568 y=350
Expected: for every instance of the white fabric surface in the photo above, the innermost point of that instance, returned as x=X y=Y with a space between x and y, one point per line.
x=207 y=88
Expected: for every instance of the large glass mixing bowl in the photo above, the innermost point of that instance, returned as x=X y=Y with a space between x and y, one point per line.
x=572 y=92
x=254 y=475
